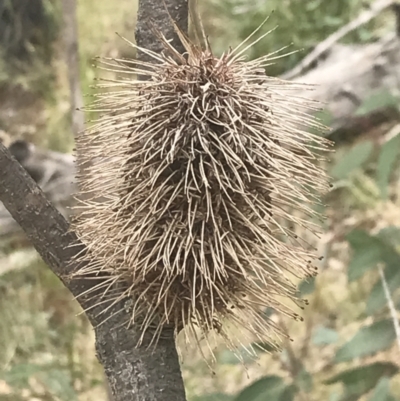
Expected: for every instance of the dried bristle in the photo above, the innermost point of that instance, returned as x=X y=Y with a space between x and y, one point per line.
x=199 y=169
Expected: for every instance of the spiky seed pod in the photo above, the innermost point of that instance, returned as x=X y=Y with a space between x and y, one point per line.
x=204 y=170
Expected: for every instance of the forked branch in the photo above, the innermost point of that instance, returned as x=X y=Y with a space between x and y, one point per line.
x=135 y=374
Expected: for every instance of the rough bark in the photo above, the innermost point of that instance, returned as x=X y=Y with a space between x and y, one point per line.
x=57 y=176
x=159 y=14
x=138 y=374
x=42 y=223
x=344 y=77
x=135 y=374
x=145 y=374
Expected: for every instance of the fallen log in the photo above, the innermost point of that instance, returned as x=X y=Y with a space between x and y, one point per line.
x=359 y=86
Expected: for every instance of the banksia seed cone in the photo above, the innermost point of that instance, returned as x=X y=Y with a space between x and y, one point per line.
x=198 y=176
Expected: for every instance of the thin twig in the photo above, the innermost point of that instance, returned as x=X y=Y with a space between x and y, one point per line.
x=72 y=60
x=391 y=306
x=294 y=365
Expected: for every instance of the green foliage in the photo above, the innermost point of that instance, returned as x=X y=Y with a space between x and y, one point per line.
x=301 y=25
x=57 y=381
x=324 y=336
x=368 y=341
x=18 y=376
x=368 y=251
x=382 y=391
x=352 y=160
x=28 y=32
x=304 y=382
x=376 y=300
x=387 y=158
x=360 y=380
x=271 y=388
x=213 y=397
x=307 y=286
x=40 y=345
x=377 y=100
x=28 y=29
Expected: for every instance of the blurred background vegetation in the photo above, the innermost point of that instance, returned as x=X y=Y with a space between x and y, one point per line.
x=346 y=349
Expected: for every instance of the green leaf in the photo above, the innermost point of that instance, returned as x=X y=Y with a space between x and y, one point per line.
x=304 y=380
x=18 y=376
x=307 y=286
x=359 y=239
x=352 y=160
x=379 y=100
x=381 y=391
x=364 y=261
x=324 y=336
x=367 y=253
x=213 y=397
x=387 y=157
x=59 y=384
x=333 y=21
x=363 y=378
x=288 y=394
x=368 y=341
x=269 y=388
x=365 y=35
x=369 y=250
x=390 y=235
x=377 y=297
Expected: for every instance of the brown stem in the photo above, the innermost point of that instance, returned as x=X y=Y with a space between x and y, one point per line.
x=154 y=14
x=153 y=374
x=135 y=374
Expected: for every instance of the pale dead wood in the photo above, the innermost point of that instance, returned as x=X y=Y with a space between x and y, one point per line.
x=348 y=77
x=70 y=36
x=366 y=16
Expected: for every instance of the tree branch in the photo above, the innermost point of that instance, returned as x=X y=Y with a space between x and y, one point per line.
x=153 y=13
x=43 y=224
x=135 y=374
x=375 y=9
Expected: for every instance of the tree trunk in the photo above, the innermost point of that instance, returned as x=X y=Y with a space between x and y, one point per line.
x=144 y=374
x=134 y=374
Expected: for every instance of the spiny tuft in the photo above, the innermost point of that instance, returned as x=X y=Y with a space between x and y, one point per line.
x=197 y=180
